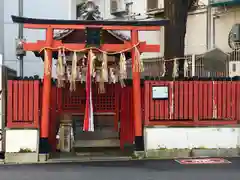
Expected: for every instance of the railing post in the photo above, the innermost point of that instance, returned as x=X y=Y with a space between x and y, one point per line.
x=193 y=64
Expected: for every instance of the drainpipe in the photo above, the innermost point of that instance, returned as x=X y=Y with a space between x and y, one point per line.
x=215 y=17
x=214 y=31
x=20 y=35
x=209 y=24
x=208 y=28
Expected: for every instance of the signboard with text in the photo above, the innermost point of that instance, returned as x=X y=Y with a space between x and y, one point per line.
x=203 y=161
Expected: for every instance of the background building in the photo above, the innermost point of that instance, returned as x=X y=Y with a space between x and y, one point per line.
x=38 y=9
x=223 y=16
x=1 y=26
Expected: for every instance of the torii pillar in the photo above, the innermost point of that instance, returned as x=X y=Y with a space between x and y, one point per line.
x=137 y=109
x=44 y=144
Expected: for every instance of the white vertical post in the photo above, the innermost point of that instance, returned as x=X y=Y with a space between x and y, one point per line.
x=193 y=64
x=186 y=74
x=72 y=9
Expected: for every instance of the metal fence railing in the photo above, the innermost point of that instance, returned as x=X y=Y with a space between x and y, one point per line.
x=155 y=67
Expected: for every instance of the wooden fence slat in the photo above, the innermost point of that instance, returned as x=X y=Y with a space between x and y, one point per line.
x=181 y=100
x=229 y=99
x=224 y=100
x=206 y=95
x=171 y=101
x=186 y=106
x=10 y=103
x=209 y=91
x=219 y=99
x=31 y=100
x=233 y=100
x=36 y=102
x=15 y=101
x=191 y=99
x=146 y=102
x=20 y=102
x=176 y=103
x=200 y=100
x=196 y=101
x=26 y=107
x=166 y=103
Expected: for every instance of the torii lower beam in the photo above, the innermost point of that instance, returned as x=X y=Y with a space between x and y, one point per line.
x=51 y=44
x=143 y=47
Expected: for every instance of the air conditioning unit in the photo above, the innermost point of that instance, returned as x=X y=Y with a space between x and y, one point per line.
x=235 y=32
x=155 y=5
x=234 y=68
x=117 y=7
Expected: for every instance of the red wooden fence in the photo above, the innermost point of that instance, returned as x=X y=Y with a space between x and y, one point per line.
x=189 y=103
x=23 y=104
x=193 y=103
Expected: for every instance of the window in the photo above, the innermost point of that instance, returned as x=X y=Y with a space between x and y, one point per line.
x=152 y=4
x=114 y=6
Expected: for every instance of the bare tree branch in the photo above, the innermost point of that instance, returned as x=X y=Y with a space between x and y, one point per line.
x=176 y=11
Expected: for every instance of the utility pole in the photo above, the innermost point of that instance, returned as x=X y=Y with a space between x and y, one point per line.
x=20 y=36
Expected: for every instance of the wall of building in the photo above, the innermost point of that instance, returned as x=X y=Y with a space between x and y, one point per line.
x=197 y=30
x=195 y=39
x=188 y=138
x=37 y=9
x=21 y=139
x=224 y=23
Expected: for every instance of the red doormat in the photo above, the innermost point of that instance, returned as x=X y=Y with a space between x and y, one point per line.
x=203 y=161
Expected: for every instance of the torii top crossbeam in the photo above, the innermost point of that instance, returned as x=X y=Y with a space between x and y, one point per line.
x=50 y=44
x=31 y=23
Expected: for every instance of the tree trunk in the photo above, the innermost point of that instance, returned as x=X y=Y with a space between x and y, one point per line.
x=176 y=11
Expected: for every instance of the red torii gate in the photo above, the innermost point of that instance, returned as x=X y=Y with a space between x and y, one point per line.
x=52 y=45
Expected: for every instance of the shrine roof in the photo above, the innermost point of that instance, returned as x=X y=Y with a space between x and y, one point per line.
x=95 y=16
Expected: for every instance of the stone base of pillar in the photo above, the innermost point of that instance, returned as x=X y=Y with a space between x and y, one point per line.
x=44 y=146
x=21 y=158
x=43 y=157
x=139 y=143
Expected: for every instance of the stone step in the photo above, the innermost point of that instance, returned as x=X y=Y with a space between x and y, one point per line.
x=90 y=159
x=96 y=143
x=97 y=135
